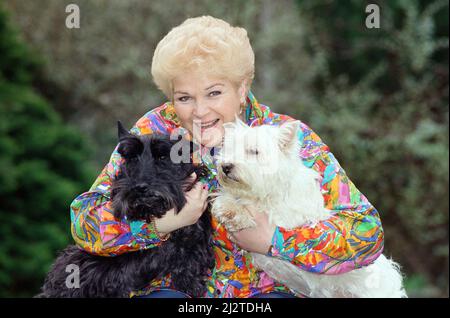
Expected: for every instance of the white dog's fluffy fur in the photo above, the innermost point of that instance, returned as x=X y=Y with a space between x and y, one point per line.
x=263 y=170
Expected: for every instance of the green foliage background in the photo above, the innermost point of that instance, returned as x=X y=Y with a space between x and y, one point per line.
x=378 y=98
x=41 y=170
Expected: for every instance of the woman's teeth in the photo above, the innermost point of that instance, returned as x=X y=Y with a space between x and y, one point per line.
x=210 y=124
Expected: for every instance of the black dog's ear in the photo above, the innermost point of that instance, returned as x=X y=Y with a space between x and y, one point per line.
x=122 y=132
x=130 y=146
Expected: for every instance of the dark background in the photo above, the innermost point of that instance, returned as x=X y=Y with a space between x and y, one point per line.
x=377 y=97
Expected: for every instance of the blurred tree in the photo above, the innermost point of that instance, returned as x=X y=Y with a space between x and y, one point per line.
x=41 y=170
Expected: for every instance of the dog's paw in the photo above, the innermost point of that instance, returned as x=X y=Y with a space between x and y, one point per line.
x=228 y=220
x=234 y=221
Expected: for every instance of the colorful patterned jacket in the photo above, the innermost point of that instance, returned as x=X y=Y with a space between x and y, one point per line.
x=352 y=237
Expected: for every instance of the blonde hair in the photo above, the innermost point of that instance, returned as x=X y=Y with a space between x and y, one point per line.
x=205 y=44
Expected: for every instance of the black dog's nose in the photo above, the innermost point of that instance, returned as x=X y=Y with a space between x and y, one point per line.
x=141 y=187
x=226 y=168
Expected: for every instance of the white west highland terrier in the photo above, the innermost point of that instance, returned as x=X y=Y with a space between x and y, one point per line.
x=260 y=167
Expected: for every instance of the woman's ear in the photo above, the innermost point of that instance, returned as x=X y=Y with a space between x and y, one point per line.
x=243 y=92
x=130 y=146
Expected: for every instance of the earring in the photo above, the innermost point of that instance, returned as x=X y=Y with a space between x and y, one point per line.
x=241 y=108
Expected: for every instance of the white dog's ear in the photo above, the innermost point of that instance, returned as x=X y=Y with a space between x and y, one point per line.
x=233 y=125
x=229 y=125
x=238 y=122
x=288 y=134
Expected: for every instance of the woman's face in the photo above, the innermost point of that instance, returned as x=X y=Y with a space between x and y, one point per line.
x=204 y=103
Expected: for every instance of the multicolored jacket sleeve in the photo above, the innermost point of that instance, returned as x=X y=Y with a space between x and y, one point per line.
x=93 y=225
x=352 y=237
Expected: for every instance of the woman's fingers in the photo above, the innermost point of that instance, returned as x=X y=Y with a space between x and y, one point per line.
x=205 y=205
x=199 y=194
x=204 y=193
x=195 y=191
x=192 y=177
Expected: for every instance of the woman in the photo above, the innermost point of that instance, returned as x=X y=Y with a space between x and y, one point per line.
x=205 y=68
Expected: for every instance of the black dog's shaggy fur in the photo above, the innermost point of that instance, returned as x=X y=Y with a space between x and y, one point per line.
x=149 y=184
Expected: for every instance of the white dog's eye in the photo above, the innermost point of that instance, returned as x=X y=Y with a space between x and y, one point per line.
x=253 y=151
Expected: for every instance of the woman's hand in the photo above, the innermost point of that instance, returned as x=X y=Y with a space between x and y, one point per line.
x=193 y=209
x=256 y=239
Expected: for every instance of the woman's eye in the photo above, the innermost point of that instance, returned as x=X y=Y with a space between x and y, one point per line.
x=253 y=151
x=162 y=158
x=183 y=99
x=215 y=93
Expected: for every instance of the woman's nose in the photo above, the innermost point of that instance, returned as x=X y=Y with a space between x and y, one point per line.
x=200 y=109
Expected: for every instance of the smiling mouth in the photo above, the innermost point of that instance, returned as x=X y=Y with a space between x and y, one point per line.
x=209 y=124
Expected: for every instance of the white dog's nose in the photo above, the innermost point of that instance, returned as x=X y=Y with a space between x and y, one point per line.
x=226 y=168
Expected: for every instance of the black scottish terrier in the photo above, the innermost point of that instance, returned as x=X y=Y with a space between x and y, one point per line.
x=148 y=185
